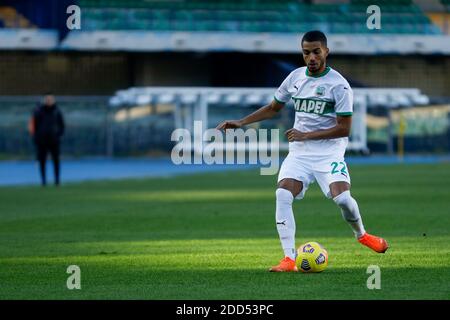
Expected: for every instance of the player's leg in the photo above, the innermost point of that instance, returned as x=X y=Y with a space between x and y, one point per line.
x=334 y=180
x=287 y=190
x=41 y=154
x=340 y=191
x=293 y=180
x=54 y=151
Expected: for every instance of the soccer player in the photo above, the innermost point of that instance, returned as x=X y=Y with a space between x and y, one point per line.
x=323 y=102
x=46 y=126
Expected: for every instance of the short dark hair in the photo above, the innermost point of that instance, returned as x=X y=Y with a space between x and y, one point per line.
x=315 y=35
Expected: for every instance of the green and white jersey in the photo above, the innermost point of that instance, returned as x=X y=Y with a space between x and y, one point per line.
x=317 y=101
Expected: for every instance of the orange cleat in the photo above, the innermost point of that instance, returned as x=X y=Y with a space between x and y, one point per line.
x=286 y=265
x=377 y=244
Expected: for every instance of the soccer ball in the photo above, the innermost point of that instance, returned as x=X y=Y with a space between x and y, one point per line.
x=312 y=257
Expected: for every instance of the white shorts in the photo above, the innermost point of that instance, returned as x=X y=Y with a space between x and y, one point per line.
x=307 y=169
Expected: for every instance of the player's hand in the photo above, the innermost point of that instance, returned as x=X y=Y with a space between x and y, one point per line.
x=295 y=135
x=229 y=124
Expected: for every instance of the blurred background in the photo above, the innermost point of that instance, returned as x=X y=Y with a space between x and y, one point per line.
x=136 y=70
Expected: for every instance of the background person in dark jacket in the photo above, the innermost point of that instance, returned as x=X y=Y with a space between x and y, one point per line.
x=47 y=127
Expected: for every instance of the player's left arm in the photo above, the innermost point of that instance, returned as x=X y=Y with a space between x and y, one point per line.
x=342 y=129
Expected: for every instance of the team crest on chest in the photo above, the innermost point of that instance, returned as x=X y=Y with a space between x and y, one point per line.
x=320 y=91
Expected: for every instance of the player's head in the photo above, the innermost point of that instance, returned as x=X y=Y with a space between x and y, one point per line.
x=49 y=99
x=315 y=50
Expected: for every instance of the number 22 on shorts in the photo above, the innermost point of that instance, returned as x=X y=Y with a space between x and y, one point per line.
x=339 y=167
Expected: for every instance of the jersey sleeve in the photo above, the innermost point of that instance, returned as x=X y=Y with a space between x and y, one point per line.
x=282 y=95
x=343 y=95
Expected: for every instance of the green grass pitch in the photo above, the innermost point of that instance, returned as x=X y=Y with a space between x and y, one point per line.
x=213 y=236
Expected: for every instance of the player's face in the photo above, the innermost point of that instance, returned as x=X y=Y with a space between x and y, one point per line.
x=315 y=55
x=49 y=100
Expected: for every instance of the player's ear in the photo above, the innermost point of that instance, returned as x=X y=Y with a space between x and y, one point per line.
x=327 y=51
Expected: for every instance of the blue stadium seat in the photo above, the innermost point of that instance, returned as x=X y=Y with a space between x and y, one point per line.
x=254 y=16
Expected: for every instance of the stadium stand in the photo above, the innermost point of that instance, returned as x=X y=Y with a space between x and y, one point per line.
x=144 y=44
x=399 y=16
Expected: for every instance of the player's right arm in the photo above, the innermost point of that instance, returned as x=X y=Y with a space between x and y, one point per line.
x=263 y=113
